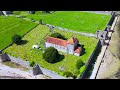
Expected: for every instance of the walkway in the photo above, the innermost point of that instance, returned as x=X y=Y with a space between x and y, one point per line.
x=100 y=12
x=6 y=71
x=103 y=50
x=67 y=30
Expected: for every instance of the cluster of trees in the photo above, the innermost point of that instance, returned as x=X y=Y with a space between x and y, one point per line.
x=33 y=12
x=80 y=65
x=58 y=35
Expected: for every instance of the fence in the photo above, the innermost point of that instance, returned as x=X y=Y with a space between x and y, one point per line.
x=93 y=57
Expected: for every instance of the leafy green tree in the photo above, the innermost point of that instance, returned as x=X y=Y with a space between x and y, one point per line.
x=32 y=63
x=16 y=39
x=82 y=69
x=51 y=55
x=58 y=35
x=79 y=64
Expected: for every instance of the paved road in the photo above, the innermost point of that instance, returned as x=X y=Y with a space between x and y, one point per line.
x=100 y=12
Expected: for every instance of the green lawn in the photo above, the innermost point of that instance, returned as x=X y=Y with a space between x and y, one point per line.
x=74 y=20
x=37 y=36
x=10 y=26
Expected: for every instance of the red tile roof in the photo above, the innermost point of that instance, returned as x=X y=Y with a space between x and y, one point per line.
x=72 y=40
x=56 y=41
x=78 y=50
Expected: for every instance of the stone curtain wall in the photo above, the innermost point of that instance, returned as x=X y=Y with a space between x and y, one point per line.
x=91 y=60
x=20 y=62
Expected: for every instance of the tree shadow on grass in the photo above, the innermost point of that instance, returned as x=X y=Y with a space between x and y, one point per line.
x=60 y=58
x=83 y=49
x=23 y=42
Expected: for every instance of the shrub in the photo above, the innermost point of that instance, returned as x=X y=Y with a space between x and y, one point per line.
x=58 y=35
x=79 y=64
x=16 y=12
x=51 y=55
x=41 y=22
x=16 y=39
x=32 y=63
x=61 y=73
x=67 y=74
x=82 y=69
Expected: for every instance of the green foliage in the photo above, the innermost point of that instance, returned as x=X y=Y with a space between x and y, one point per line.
x=58 y=35
x=79 y=64
x=32 y=63
x=10 y=26
x=17 y=39
x=41 y=22
x=46 y=11
x=68 y=74
x=16 y=12
x=51 y=55
x=82 y=69
x=69 y=62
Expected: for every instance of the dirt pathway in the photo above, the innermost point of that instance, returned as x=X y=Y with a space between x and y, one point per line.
x=6 y=71
x=110 y=66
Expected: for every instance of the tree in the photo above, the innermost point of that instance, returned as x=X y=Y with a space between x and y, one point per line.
x=51 y=55
x=82 y=69
x=41 y=22
x=79 y=64
x=31 y=12
x=58 y=35
x=32 y=63
x=16 y=39
x=46 y=11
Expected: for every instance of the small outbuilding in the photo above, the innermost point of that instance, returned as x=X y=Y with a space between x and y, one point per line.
x=35 y=46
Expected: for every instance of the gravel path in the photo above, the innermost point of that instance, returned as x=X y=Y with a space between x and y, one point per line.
x=6 y=71
x=67 y=30
x=110 y=65
x=100 y=12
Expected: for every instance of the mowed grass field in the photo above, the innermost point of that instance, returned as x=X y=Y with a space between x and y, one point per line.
x=10 y=26
x=73 y=20
x=37 y=36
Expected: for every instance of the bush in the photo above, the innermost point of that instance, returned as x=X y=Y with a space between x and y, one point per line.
x=16 y=39
x=67 y=74
x=82 y=69
x=51 y=55
x=79 y=64
x=41 y=22
x=16 y=12
x=58 y=35
x=32 y=63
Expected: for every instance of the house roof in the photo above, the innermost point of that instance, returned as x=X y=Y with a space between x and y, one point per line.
x=72 y=40
x=56 y=41
x=78 y=50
